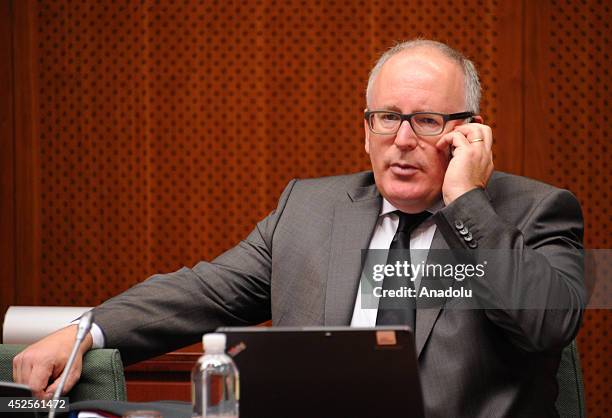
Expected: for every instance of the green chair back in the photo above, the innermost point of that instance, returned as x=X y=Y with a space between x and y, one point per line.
x=570 y=401
x=102 y=376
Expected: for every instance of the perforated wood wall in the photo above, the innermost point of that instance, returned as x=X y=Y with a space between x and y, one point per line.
x=567 y=143
x=167 y=129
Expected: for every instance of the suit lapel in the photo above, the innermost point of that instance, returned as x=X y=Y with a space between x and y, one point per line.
x=353 y=225
x=426 y=317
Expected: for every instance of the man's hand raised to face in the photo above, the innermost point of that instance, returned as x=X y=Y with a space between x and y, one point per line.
x=40 y=365
x=471 y=164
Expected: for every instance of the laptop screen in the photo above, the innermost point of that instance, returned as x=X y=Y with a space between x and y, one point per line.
x=326 y=372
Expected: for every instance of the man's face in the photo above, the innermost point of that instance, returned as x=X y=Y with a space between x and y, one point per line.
x=409 y=170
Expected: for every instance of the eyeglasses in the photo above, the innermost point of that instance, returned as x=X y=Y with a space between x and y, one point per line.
x=384 y=122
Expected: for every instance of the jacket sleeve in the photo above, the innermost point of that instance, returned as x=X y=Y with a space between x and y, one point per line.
x=168 y=311
x=534 y=289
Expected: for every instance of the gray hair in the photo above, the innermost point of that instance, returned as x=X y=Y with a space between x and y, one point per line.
x=472 y=84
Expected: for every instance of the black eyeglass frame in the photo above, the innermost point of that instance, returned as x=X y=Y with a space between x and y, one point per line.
x=408 y=117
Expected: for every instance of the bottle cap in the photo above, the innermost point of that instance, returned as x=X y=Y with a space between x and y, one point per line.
x=214 y=343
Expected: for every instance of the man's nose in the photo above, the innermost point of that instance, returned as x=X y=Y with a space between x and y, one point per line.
x=405 y=137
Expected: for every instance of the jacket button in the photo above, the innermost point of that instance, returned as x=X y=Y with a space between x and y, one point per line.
x=458 y=224
x=468 y=237
x=464 y=231
x=472 y=244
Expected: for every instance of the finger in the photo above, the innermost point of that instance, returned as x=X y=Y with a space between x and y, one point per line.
x=56 y=377
x=474 y=131
x=454 y=138
x=26 y=373
x=25 y=369
x=17 y=368
x=71 y=380
x=471 y=131
x=48 y=394
x=39 y=378
x=444 y=142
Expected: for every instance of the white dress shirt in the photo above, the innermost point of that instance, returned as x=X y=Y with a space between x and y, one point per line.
x=420 y=239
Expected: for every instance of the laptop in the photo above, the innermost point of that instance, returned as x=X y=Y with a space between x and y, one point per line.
x=319 y=372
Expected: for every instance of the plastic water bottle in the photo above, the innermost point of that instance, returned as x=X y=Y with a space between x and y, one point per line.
x=215 y=388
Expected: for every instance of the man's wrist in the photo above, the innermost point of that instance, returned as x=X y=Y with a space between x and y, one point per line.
x=450 y=197
x=94 y=338
x=87 y=343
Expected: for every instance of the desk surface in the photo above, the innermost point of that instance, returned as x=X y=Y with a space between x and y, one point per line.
x=164 y=377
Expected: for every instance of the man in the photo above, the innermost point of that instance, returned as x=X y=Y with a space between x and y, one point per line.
x=301 y=264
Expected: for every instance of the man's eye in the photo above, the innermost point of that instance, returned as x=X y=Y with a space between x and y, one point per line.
x=389 y=117
x=427 y=121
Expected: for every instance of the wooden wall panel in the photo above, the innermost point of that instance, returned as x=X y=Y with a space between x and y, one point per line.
x=167 y=130
x=27 y=165
x=508 y=100
x=7 y=159
x=20 y=239
x=150 y=135
x=567 y=122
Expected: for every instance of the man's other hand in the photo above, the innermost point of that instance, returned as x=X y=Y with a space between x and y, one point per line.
x=471 y=164
x=41 y=364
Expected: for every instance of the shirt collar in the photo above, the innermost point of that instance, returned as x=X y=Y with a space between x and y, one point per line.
x=387 y=207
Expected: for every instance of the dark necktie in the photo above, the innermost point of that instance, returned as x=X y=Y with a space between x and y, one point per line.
x=394 y=310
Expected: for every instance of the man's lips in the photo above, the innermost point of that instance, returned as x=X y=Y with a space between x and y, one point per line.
x=403 y=169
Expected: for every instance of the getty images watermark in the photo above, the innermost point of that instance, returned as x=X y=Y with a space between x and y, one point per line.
x=401 y=271
x=488 y=279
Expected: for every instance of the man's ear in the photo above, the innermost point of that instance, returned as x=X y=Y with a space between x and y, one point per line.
x=367 y=136
x=477 y=119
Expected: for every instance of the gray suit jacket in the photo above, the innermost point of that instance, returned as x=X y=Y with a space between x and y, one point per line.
x=301 y=266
